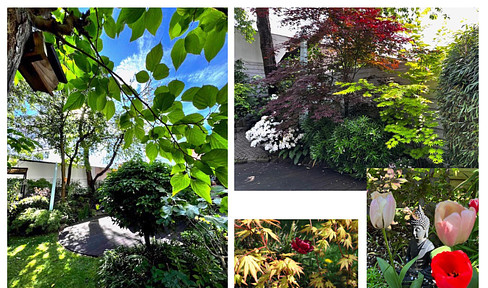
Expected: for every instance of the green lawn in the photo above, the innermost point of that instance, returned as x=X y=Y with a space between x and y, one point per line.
x=40 y=261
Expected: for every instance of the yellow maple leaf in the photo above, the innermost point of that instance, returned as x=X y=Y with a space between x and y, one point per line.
x=248 y=264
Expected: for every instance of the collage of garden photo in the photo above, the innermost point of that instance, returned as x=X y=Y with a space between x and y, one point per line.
x=352 y=161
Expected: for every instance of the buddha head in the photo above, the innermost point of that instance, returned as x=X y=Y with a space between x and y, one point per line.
x=420 y=224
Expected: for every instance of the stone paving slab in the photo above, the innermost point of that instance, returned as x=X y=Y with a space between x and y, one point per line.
x=243 y=152
x=95 y=236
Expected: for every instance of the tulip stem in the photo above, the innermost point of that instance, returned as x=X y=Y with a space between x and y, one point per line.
x=388 y=248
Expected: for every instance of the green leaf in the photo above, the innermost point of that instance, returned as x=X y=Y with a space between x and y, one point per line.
x=109 y=110
x=189 y=94
x=75 y=100
x=109 y=26
x=153 y=58
x=221 y=173
x=224 y=205
x=178 y=25
x=152 y=151
x=205 y=97
x=178 y=53
x=198 y=174
x=175 y=87
x=124 y=121
x=193 y=44
x=113 y=89
x=176 y=115
x=130 y=15
x=179 y=182
x=81 y=61
x=153 y=19
x=217 y=141
x=221 y=128
x=389 y=274
x=79 y=83
x=148 y=115
x=101 y=102
x=216 y=157
x=163 y=101
x=474 y=279
x=136 y=105
x=417 y=283
x=201 y=189
x=195 y=136
x=405 y=268
x=191 y=119
x=139 y=132
x=439 y=250
x=214 y=43
x=137 y=29
x=142 y=76
x=128 y=138
x=161 y=71
x=222 y=95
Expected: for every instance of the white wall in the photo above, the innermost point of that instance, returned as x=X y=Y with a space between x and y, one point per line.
x=38 y=169
x=250 y=53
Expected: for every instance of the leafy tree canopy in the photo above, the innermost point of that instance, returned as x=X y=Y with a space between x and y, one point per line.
x=196 y=144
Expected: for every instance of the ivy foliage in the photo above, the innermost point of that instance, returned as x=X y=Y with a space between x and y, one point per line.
x=458 y=99
x=196 y=144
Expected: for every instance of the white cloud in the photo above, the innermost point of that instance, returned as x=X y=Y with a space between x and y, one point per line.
x=129 y=66
x=214 y=75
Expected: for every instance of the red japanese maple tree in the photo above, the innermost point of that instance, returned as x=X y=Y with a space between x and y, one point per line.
x=341 y=41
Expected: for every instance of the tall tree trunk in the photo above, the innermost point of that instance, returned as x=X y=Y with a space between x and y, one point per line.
x=19 y=28
x=266 y=40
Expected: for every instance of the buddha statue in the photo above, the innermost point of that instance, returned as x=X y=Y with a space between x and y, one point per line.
x=420 y=246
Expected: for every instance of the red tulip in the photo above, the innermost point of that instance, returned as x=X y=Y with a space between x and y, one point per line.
x=452 y=269
x=475 y=203
x=301 y=246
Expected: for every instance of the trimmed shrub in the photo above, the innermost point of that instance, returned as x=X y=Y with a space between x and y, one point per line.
x=358 y=144
x=17 y=207
x=36 y=221
x=139 y=197
x=458 y=99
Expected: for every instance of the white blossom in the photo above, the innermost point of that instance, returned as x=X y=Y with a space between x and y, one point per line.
x=265 y=133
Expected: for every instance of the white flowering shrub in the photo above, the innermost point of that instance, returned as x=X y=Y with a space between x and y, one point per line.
x=265 y=133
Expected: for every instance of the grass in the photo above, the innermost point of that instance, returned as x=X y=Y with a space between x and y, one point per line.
x=40 y=261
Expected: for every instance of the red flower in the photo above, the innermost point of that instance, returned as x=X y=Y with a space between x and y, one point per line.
x=452 y=269
x=475 y=203
x=301 y=246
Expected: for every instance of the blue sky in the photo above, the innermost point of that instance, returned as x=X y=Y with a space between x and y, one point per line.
x=129 y=57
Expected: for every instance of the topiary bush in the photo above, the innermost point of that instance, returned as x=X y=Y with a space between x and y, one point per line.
x=358 y=144
x=138 y=196
x=458 y=99
x=36 y=221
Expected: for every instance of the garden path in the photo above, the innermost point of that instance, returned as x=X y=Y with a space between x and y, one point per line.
x=282 y=175
x=253 y=170
x=95 y=236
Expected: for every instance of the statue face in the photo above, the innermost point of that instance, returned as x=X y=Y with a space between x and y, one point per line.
x=418 y=233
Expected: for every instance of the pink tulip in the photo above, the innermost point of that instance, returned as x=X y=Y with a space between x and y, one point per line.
x=382 y=209
x=453 y=222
